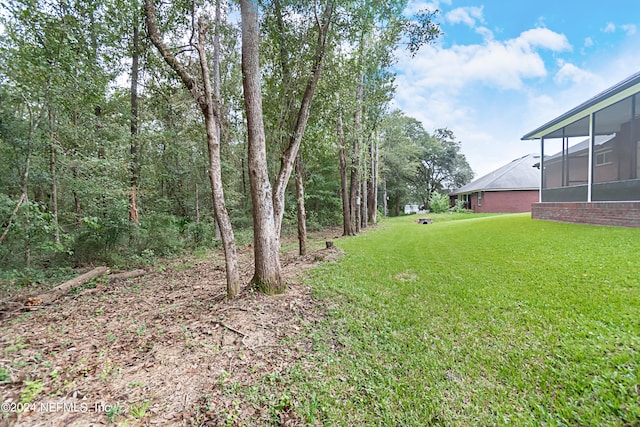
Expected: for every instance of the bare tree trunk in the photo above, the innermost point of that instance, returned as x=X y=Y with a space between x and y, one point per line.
x=54 y=194
x=373 y=188
x=134 y=159
x=215 y=169
x=358 y=214
x=267 y=276
x=354 y=189
x=204 y=97
x=197 y=204
x=364 y=210
x=385 y=206
x=216 y=87
x=76 y=198
x=54 y=179
x=244 y=178
x=302 y=213
x=397 y=205
x=33 y=125
x=102 y=155
x=347 y=225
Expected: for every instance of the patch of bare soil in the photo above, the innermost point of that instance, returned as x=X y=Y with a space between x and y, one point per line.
x=165 y=348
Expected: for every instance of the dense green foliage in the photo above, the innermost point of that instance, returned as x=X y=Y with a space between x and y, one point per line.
x=477 y=321
x=67 y=148
x=439 y=203
x=417 y=164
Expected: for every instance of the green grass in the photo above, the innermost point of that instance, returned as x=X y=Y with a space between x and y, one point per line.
x=495 y=320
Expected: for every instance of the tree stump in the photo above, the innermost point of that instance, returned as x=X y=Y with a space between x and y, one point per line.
x=329 y=244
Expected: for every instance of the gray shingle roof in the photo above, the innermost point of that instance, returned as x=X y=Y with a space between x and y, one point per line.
x=520 y=174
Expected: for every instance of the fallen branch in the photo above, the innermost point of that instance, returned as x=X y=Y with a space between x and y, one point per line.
x=126 y=275
x=230 y=328
x=55 y=293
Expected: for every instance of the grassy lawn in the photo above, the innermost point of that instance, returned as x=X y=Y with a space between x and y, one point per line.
x=494 y=320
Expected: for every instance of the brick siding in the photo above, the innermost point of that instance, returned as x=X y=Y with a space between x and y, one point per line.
x=505 y=201
x=621 y=214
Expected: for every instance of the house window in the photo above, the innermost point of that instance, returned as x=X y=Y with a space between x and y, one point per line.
x=479 y=198
x=604 y=158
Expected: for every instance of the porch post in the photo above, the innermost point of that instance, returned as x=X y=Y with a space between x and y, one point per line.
x=541 y=169
x=592 y=137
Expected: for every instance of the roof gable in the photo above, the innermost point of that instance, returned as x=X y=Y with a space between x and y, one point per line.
x=520 y=174
x=618 y=92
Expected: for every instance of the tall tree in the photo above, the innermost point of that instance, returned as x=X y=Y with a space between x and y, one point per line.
x=134 y=151
x=400 y=149
x=265 y=243
x=442 y=165
x=376 y=30
x=347 y=224
x=301 y=210
x=202 y=93
x=296 y=133
x=267 y=274
x=53 y=62
x=374 y=177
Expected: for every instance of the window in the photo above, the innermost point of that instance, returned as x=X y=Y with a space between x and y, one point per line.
x=604 y=158
x=479 y=198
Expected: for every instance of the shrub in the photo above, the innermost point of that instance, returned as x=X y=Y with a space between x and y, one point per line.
x=160 y=233
x=438 y=203
x=459 y=207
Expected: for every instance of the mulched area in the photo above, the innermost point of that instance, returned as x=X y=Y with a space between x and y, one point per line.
x=166 y=348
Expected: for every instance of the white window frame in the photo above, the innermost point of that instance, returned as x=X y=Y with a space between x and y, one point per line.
x=604 y=157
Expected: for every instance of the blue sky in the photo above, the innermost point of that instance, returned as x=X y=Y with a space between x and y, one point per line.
x=503 y=68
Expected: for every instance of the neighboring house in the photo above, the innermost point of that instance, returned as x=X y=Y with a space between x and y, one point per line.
x=591 y=160
x=511 y=188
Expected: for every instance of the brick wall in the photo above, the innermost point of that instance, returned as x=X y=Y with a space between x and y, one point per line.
x=505 y=201
x=622 y=214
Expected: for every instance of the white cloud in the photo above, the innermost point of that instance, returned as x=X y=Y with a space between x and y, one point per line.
x=545 y=38
x=569 y=73
x=418 y=5
x=470 y=89
x=465 y=15
x=492 y=92
x=630 y=29
x=498 y=64
x=487 y=34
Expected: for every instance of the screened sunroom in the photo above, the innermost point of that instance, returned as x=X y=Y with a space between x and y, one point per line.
x=591 y=154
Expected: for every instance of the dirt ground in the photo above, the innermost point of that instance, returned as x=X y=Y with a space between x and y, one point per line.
x=166 y=348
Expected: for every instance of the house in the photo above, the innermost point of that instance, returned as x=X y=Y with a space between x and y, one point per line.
x=591 y=160
x=511 y=188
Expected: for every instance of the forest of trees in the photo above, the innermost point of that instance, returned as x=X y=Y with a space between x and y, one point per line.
x=132 y=129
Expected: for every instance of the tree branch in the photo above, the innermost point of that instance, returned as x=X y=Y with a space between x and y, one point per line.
x=169 y=58
x=290 y=154
x=13 y=214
